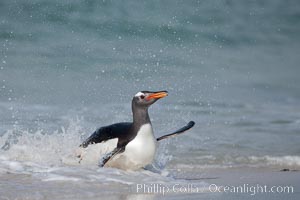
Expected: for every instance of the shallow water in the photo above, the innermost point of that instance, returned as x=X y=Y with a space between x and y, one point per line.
x=68 y=67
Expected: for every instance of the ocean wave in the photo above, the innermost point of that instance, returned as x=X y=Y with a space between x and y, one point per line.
x=284 y=161
x=224 y=162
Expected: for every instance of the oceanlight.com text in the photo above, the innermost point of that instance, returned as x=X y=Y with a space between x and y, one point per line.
x=213 y=188
x=251 y=189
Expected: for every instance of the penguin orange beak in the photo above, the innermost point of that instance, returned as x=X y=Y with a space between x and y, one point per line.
x=157 y=95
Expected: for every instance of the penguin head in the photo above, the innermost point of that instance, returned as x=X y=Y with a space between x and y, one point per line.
x=147 y=98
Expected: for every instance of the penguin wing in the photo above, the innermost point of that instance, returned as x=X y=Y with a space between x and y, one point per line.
x=179 y=131
x=110 y=155
x=105 y=133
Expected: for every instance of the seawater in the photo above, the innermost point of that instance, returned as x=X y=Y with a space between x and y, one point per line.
x=69 y=67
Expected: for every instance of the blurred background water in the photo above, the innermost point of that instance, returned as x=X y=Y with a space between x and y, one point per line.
x=68 y=67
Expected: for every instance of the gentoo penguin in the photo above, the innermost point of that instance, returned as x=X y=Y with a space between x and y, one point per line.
x=136 y=144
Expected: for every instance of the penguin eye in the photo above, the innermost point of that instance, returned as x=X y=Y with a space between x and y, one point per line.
x=142 y=96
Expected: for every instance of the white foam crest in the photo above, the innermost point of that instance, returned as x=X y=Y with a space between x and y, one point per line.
x=12 y=166
x=288 y=161
x=55 y=177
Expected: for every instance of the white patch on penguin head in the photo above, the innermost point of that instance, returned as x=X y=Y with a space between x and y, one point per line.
x=139 y=94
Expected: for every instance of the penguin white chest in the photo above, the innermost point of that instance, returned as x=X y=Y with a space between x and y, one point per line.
x=139 y=152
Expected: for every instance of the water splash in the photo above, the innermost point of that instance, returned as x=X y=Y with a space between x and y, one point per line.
x=55 y=148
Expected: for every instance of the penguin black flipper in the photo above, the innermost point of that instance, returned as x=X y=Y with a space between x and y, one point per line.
x=110 y=155
x=105 y=133
x=179 y=131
